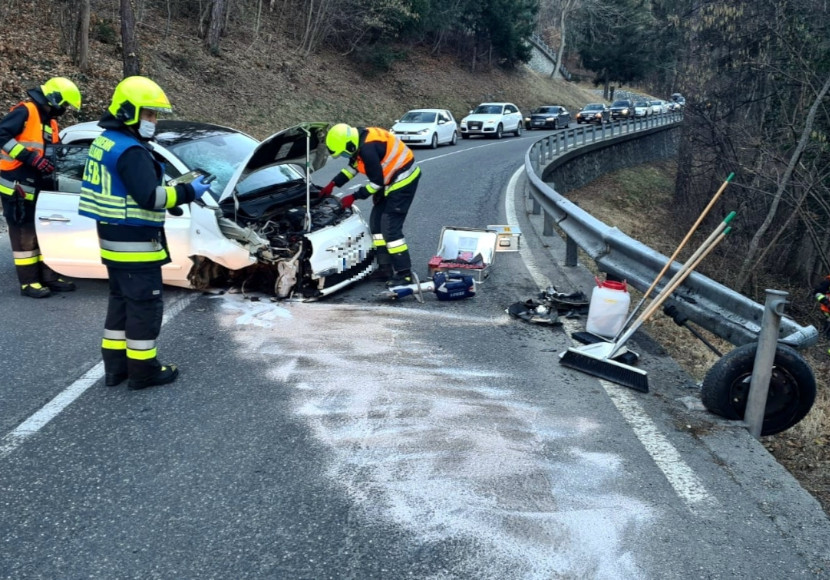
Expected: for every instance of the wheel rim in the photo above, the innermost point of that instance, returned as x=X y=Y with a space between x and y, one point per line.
x=782 y=399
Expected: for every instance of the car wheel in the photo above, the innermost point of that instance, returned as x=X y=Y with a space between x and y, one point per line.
x=454 y=139
x=499 y=130
x=465 y=136
x=555 y=124
x=434 y=142
x=792 y=388
x=518 y=131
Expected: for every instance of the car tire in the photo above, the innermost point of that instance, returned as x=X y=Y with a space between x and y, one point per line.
x=555 y=124
x=465 y=136
x=434 y=143
x=499 y=131
x=792 y=389
x=518 y=131
x=454 y=139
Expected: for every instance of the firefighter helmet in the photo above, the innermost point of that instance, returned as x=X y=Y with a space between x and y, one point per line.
x=341 y=138
x=136 y=93
x=60 y=91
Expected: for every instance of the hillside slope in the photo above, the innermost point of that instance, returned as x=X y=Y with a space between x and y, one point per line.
x=261 y=86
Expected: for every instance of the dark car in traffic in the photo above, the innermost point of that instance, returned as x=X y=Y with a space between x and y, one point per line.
x=548 y=117
x=622 y=109
x=594 y=113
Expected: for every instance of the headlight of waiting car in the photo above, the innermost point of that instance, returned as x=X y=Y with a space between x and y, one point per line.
x=625 y=111
x=548 y=118
x=489 y=121
x=423 y=132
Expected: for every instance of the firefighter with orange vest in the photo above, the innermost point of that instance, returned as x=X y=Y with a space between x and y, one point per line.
x=821 y=292
x=393 y=176
x=27 y=135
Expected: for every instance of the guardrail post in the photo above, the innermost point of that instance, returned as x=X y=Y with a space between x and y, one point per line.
x=547 y=228
x=764 y=359
x=570 y=252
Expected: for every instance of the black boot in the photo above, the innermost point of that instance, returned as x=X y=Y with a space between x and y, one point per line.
x=60 y=285
x=114 y=379
x=399 y=279
x=35 y=290
x=166 y=374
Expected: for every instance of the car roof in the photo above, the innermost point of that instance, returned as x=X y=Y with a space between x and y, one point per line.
x=427 y=111
x=499 y=104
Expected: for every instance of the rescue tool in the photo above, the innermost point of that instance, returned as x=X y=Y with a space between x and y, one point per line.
x=445 y=287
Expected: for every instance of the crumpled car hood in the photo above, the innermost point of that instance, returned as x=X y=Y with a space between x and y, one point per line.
x=296 y=144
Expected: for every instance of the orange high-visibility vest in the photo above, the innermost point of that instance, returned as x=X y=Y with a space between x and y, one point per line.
x=397 y=154
x=34 y=137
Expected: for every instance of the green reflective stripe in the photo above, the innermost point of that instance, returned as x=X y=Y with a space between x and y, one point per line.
x=378 y=241
x=345 y=171
x=397 y=246
x=115 y=334
x=133 y=256
x=16 y=150
x=373 y=187
x=166 y=197
x=149 y=215
x=26 y=261
x=141 y=354
x=405 y=180
x=111 y=344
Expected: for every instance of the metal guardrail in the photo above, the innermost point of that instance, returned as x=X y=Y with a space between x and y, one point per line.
x=711 y=305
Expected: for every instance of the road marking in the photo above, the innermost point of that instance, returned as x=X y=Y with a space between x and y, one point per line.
x=686 y=484
x=53 y=408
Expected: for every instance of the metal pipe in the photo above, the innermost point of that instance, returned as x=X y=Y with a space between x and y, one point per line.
x=764 y=359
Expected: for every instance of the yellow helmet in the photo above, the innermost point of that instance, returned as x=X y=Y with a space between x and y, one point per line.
x=136 y=93
x=60 y=91
x=341 y=138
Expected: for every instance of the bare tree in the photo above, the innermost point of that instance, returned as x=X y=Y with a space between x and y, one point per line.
x=129 y=44
x=83 y=36
x=216 y=22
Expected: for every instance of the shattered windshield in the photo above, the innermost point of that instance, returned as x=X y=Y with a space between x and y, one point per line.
x=217 y=154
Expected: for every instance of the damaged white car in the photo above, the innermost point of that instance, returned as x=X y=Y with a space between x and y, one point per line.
x=260 y=227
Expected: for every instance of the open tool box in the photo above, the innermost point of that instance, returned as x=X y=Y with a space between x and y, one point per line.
x=471 y=251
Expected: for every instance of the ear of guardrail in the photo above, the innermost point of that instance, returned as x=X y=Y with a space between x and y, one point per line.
x=713 y=306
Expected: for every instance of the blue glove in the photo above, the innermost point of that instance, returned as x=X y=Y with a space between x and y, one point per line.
x=199 y=186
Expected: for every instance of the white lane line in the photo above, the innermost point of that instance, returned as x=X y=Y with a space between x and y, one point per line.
x=52 y=409
x=686 y=484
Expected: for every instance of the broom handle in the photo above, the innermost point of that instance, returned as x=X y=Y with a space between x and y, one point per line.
x=677 y=251
x=683 y=273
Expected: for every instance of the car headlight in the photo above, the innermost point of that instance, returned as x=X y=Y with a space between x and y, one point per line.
x=625 y=111
x=489 y=121
x=548 y=118
x=423 y=131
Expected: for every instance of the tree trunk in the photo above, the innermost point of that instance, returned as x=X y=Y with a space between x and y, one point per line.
x=744 y=273
x=83 y=37
x=561 y=51
x=129 y=44
x=217 y=17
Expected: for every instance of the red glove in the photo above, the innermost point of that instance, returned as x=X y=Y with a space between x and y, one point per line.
x=346 y=201
x=326 y=191
x=39 y=162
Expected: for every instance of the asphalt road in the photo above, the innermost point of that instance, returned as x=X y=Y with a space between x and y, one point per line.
x=359 y=438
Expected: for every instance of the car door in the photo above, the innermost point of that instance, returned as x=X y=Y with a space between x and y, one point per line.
x=512 y=118
x=69 y=241
x=444 y=128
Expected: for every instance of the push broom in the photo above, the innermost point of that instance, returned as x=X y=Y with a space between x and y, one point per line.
x=597 y=359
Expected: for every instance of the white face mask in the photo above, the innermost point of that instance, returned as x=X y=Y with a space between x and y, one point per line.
x=146 y=129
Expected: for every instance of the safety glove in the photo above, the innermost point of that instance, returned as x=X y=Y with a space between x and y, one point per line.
x=346 y=201
x=36 y=160
x=326 y=191
x=199 y=186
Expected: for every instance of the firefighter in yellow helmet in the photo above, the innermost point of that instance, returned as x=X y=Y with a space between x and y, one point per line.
x=123 y=191
x=28 y=134
x=392 y=174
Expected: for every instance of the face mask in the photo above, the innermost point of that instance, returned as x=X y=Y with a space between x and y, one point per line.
x=146 y=129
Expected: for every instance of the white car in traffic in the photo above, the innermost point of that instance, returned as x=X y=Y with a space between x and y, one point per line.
x=431 y=127
x=492 y=120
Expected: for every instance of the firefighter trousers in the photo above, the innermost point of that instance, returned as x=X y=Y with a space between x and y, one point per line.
x=134 y=314
x=28 y=261
x=386 y=224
